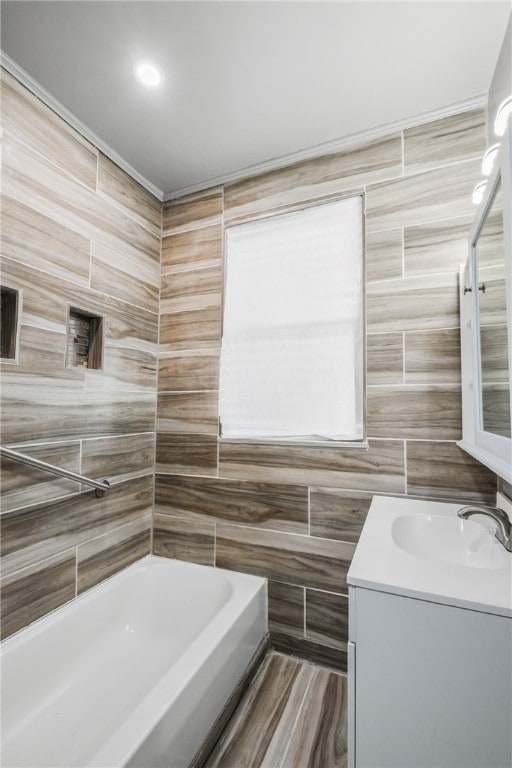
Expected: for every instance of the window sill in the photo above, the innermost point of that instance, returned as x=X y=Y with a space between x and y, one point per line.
x=297 y=442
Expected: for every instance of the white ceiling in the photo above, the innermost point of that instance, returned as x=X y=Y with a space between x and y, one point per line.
x=248 y=82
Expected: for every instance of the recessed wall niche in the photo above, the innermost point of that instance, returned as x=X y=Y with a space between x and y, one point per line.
x=9 y=309
x=85 y=340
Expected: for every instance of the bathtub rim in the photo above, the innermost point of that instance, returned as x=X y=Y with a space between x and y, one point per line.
x=51 y=616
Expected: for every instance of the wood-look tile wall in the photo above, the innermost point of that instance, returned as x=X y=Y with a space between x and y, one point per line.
x=76 y=230
x=292 y=513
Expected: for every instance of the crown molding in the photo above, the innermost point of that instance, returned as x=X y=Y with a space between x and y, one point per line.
x=72 y=120
x=331 y=147
x=327 y=148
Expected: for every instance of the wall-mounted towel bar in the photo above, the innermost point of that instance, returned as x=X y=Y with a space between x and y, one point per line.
x=101 y=486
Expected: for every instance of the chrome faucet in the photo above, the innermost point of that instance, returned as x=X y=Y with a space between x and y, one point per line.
x=503 y=525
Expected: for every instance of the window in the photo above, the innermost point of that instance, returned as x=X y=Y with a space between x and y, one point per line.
x=292 y=352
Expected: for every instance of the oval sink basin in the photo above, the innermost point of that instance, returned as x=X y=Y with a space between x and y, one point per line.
x=448 y=540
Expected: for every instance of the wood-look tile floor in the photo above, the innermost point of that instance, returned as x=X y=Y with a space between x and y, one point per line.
x=293 y=715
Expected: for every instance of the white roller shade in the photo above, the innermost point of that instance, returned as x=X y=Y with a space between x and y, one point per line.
x=292 y=343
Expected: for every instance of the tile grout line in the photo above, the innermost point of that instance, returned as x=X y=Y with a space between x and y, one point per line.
x=38 y=565
x=10 y=136
x=429 y=385
x=403 y=251
x=222 y=225
x=309 y=510
x=76 y=571
x=245 y=527
x=193 y=267
x=125 y=211
x=77 y=286
x=410 y=277
x=452 y=328
x=193 y=226
x=464 y=219
x=157 y=388
x=403 y=358
x=177 y=515
x=70 y=176
x=405 y=467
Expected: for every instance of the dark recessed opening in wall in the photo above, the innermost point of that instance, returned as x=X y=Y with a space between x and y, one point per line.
x=9 y=328
x=85 y=340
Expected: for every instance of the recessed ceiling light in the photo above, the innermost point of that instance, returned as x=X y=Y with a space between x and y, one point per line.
x=147 y=74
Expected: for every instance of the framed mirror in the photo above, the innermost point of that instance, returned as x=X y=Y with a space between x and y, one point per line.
x=486 y=324
x=491 y=313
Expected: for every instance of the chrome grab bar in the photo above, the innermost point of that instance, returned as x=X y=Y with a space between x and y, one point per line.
x=101 y=486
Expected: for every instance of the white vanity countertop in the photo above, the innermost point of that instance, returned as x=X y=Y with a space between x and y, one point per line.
x=413 y=547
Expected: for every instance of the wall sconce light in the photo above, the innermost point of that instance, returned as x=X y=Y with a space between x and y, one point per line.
x=478 y=192
x=488 y=159
x=502 y=115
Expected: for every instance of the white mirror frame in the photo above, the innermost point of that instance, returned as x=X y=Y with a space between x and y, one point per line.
x=495 y=451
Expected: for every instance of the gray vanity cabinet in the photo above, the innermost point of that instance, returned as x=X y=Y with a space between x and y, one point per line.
x=431 y=684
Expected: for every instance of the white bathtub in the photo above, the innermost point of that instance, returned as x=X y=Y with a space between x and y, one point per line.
x=132 y=673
